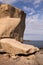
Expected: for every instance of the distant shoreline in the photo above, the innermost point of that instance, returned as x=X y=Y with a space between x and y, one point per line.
x=32 y=40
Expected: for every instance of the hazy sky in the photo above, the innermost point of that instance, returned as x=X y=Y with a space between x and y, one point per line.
x=34 y=19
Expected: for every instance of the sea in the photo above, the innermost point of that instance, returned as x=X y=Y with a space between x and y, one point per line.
x=33 y=40
x=38 y=44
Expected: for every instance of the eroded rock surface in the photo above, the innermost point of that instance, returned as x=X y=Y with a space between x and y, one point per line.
x=15 y=47
x=12 y=22
x=35 y=59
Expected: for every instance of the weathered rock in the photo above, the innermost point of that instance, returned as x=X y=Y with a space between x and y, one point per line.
x=24 y=61
x=14 y=47
x=12 y=22
x=39 y=58
x=1 y=50
x=34 y=59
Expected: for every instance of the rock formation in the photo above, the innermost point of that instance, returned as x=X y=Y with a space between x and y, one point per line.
x=14 y=47
x=12 y=26
x=12 y=22
x=12 y=51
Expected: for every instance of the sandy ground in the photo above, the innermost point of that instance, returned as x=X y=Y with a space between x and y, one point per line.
x=35 y=59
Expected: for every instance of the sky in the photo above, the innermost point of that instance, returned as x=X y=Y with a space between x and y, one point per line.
x=34 y=17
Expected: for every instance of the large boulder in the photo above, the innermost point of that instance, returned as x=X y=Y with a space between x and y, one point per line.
x=14 y=47
x=12 y=22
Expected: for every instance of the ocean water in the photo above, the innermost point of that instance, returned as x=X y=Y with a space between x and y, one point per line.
x=32 y=39
x=36 y=43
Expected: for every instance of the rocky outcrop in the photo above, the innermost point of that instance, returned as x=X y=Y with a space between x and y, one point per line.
x=12 y=22
x=13 y=52
x=14 y=47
